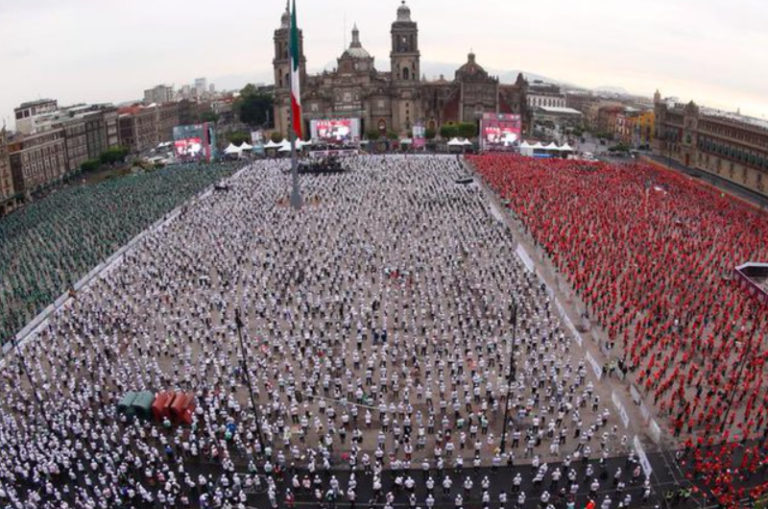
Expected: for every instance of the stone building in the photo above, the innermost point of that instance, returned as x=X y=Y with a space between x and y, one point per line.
x=8 y=198
x=394 y=100
x=38 y=160
x=729 y=145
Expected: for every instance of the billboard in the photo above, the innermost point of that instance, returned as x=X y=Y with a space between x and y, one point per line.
x=257 y=140
x=195 y=142
x=336 y=131
x=419 y=136
x=500 y=131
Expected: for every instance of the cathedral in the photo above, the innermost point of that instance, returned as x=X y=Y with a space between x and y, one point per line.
x=394 y=100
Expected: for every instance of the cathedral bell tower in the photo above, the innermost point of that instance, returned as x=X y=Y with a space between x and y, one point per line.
x=281 y=65
x=404 y=58
x=405 y=71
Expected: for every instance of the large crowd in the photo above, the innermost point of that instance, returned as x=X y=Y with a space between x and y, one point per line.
x=51 y=243
x=380 y=324
x=651 y=253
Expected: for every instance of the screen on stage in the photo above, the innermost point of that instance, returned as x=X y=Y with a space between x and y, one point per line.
x=195 y=142
x=500 y=131
x=336 y=131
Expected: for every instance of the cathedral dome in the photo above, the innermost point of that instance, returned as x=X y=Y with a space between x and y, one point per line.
x=403 y=12
x=471 y=68
x=356 y=49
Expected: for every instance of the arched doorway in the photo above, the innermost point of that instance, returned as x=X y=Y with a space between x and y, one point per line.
x=382 y=125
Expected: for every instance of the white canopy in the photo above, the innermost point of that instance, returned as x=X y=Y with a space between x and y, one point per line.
x=302 y=143
x=232 y=149
x=465 y=141
x=455 y=143
x=525 y=144
x=284 y=148
x=245 y=146
x=272 y=144
x=566 y=148
x=406 y=141
x=552 y=146
x=538 y=145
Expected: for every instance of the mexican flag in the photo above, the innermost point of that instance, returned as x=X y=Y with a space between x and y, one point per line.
x=295 y=85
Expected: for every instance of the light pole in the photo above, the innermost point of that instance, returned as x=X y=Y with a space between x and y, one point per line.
x=239 y=323
x=510 y=377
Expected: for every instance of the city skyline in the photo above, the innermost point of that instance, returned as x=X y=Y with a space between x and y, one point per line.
x=694 y=51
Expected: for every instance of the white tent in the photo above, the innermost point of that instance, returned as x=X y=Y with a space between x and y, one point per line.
x=526 y=149
x=466 y=142
x=245 y=146
x=232 y=149
x=302 y=143
x=406 y=141
x=566 y=148
x=272 y=144
x=284 y=148
x=538 y=145
x=454 y=142
x=552 y=146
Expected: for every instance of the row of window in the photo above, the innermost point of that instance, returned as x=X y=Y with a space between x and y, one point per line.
x=737 y=154
x=757 y=139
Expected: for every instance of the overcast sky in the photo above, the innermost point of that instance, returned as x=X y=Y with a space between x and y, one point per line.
x=714 y=52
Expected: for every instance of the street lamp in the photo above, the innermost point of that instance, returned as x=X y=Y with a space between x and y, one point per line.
x=239 y=323
x=511 y=376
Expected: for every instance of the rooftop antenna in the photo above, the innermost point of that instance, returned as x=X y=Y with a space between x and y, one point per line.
x=345 y=32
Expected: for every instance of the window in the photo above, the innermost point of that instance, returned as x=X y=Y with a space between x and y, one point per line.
x=405 y=74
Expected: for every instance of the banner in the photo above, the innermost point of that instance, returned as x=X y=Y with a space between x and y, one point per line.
x=419 y=136
x=500 y=131
x=257 y=140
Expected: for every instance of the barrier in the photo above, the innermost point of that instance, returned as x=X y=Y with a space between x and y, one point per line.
x=642 y=457
x=523 y=255
x=596 y=367
x=620 y=408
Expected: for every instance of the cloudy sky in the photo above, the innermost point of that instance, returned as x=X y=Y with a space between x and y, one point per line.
x=111 y=50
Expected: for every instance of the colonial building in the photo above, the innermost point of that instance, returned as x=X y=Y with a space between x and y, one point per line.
x=8 y=198
x=393 y=100
x=732 y=146
x=38 y=160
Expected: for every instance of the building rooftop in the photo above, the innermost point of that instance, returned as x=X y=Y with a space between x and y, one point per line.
x=35 y=103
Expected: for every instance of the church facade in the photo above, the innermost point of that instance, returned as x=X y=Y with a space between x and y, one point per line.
x=397 y=99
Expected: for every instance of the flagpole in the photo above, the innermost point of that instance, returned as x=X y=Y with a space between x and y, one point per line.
x=295 y=191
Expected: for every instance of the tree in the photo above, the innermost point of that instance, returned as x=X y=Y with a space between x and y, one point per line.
x=449 y=131
x=209 y=116
x=113 y=155
x=467 y=130
x=276 y=137
x=90 y=165
x=430 y=134
x=254 y=108
x=392 y=135
x=372 y=134
x=238 y=137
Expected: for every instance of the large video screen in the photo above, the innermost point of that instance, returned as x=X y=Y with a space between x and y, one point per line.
x=336 y=131
x=500 y=131
x=196 y=142
x=188 y=149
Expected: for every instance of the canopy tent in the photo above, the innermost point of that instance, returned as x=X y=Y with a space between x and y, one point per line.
x=232 y=149
x=272 y=144
x=566 y=148
x=552 y=146
x=454 y=142
x=406 y=141
x=245 y=146
x=465 y=142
